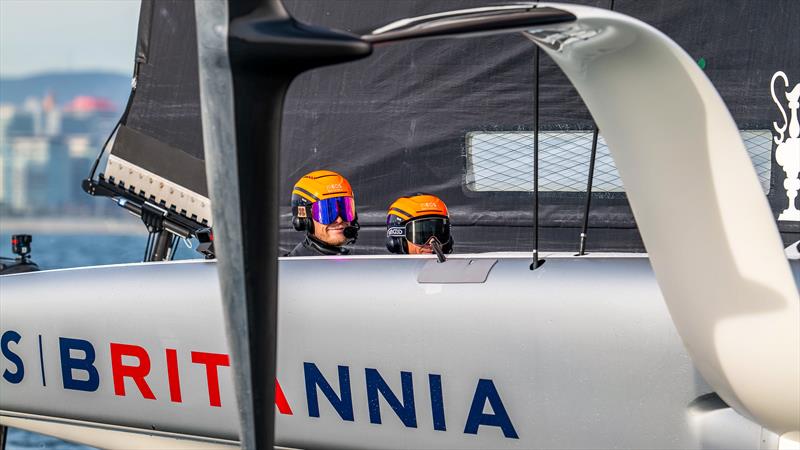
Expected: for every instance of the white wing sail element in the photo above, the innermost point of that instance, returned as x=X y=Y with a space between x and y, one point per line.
x=725 y=278
x=704 y=220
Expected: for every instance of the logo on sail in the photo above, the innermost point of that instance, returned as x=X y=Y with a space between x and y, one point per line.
x=788 y=153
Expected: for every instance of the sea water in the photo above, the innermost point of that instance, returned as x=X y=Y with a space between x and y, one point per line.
x=59 y=251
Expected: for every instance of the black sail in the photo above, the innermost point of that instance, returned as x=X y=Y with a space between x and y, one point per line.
x=400 y=122
x=158 y=149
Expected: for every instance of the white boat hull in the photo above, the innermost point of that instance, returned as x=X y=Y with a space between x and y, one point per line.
x=581 y=353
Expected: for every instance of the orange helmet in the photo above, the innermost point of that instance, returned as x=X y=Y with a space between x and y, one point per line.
x=319 y=185
x=322 y=195
x=417 y=218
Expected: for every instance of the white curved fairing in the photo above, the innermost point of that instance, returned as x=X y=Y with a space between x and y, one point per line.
x=704 y=220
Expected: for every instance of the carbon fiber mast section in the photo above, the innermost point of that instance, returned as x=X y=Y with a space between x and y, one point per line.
x=474 y=21
x=245 y=76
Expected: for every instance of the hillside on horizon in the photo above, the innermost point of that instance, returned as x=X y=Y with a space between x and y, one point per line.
x=66 y=86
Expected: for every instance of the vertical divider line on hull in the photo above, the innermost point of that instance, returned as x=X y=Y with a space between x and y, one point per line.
x=41 y=363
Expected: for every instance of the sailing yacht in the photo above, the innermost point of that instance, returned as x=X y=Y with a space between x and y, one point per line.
x=549 y=327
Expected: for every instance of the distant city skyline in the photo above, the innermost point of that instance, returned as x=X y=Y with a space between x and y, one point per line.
x=39 y=36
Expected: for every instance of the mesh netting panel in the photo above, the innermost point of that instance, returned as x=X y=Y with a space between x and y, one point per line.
x=503 y=161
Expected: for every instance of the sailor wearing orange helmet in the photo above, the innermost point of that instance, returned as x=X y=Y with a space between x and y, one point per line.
x=416 y=223
x=323 y=207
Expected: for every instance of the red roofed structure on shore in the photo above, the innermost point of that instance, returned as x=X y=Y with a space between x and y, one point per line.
x=88 y=104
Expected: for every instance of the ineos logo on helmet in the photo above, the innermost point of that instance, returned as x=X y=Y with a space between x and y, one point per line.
x=396 y=232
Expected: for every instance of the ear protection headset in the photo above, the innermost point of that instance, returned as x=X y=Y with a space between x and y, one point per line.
x=397 y=245
x=300 y=218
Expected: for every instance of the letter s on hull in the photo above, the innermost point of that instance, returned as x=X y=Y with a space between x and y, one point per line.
x=16 y=376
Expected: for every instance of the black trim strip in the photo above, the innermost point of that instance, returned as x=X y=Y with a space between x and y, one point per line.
x=316 y=199
x=400 y=211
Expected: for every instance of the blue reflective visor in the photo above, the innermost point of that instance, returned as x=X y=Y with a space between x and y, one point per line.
x=326 y=211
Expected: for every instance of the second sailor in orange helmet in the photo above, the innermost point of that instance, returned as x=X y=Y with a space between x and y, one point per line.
x=415 y=221
x=323 y=206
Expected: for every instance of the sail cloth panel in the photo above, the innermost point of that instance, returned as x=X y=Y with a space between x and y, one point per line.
x=159 y=147
x=397 y=123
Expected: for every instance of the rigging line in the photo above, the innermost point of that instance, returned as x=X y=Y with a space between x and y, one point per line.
x=147 y=247
x=590 y=178
x=123 y=119
x=535 y=263
x=174 y=249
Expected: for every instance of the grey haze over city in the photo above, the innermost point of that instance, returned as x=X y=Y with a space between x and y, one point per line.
x=64 y=79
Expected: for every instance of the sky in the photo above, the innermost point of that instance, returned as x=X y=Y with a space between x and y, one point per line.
x=67 y=35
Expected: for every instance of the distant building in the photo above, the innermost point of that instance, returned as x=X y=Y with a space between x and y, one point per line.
x=6 y=115
x=16 y=122
x=51 y=116
x=46 y=151
x=26 y=172
x=89 y=115
x=82 y=151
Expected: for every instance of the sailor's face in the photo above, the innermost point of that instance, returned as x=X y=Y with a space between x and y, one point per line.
x=414 y=249
x=332 y=234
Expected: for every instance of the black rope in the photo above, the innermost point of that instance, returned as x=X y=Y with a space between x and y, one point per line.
x=147 y=247
x=177 y=241
x=123 y=119
x=584 y=230
x=592 y=158
x=535 y=264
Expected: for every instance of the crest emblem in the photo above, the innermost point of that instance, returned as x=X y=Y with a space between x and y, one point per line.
x=788 y=153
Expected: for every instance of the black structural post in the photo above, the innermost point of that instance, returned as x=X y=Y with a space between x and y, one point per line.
x=585 y=228
x=535 y=262
x=267 y=49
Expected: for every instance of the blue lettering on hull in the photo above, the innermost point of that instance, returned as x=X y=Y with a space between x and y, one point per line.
x=19 y=373
x=79 y=373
